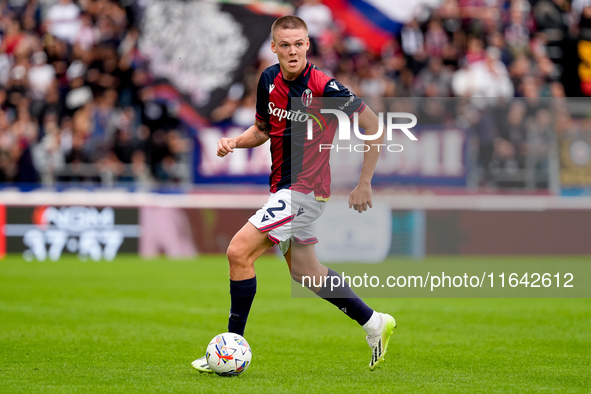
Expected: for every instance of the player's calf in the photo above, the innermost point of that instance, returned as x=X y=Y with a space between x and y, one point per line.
x=311 y=282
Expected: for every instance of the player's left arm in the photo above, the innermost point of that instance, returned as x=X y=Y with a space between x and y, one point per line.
x=361 y=197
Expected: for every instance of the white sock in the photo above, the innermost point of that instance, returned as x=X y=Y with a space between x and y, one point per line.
x=373 y=324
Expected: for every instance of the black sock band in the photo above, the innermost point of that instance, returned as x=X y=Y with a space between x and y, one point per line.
x=344 y=298
x=242 y=294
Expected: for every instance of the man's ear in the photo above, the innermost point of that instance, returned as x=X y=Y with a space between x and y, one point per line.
x=273 y=47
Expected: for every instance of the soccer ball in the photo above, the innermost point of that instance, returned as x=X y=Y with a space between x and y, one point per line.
x=228 y=354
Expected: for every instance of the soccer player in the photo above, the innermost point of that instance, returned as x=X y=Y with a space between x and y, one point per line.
x=298 y=195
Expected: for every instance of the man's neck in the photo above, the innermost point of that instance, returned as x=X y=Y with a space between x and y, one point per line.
x=294 y=76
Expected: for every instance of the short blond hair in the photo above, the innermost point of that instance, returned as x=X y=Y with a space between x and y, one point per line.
x=288 y=22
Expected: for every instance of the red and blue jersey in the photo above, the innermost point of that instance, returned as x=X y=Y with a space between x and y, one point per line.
x=297 y=163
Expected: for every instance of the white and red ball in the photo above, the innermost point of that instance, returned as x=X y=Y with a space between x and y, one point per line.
x=228 y=354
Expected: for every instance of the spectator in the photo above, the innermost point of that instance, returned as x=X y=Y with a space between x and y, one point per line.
x=18 y=82
x=80 y=164
x=376 y=84
x=88 y=35
x=434 y=80
x=435 y=39
x=120 y=156
x=497 y=40
x=510 y=142
x=474 y=51
x=63 y=20
x=516 y=33
x=48 y=158
x=412 y=39
x=519 y=69
x=319 y=18
x=26 y=132
x=486 y=78
x=12 y=37
x=41 y=78
x=581 y=10
x=8 y=141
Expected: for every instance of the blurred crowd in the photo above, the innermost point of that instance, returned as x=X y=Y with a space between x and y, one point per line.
x=72 y=107
x=477 y=48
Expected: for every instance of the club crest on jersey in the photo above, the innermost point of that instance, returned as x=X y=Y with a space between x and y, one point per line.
x=307 y=97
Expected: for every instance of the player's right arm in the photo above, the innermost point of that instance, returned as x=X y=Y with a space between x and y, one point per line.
x=254 y=136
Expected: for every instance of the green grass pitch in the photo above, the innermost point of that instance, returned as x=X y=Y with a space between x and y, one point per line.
x=134 y=326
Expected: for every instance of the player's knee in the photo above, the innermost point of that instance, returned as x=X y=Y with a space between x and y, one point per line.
x=237 y=255
x=233 y=254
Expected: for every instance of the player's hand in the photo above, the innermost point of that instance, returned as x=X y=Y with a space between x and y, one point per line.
x=225 y=146
x=360 y=198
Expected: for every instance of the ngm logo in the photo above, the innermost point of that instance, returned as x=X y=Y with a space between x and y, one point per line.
x=74 y=219
x=344 y=131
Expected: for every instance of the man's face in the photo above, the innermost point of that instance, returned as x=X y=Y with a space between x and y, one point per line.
x=291 y=45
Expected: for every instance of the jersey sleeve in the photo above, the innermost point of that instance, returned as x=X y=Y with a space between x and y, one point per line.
x=346 y=101
x=262 y=100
